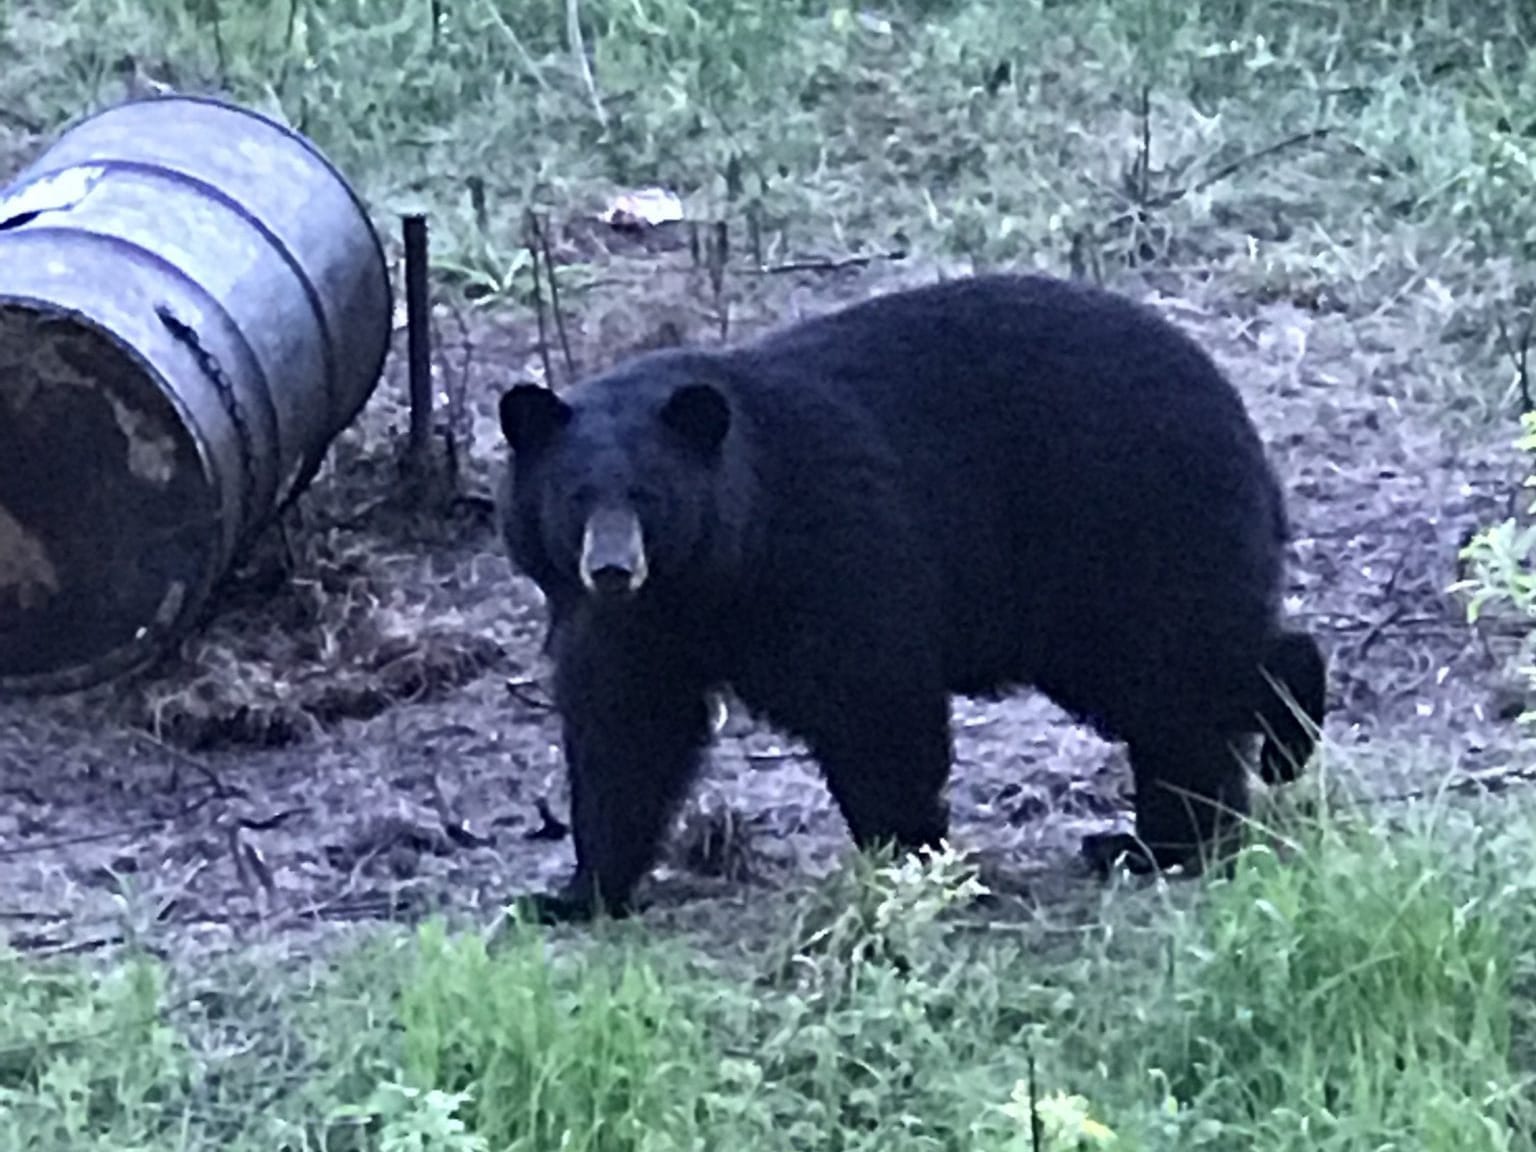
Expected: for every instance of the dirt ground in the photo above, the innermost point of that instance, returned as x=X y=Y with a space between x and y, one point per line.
x=371 y=738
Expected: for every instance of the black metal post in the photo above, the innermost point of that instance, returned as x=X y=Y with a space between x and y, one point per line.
x=418 y=322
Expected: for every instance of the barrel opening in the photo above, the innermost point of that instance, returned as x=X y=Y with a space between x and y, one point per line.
x=187 y=309
x=109 y=523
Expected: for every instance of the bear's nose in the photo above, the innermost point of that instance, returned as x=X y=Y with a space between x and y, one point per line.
x=613 y=581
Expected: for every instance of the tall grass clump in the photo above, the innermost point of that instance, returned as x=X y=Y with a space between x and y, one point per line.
x=1370 y=987
x=588 y=1052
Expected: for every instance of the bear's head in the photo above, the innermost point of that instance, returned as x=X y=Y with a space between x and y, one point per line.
x=617 y=491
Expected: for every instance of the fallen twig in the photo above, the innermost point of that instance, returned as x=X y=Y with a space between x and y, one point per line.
x=522 y=691
x=182 y=759
x=1174 y=195
x=55 y=946
x=1491 y=782
x=831 y=263
x=142 y=829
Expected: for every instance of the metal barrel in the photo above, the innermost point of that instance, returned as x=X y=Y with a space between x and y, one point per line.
x=193 y=303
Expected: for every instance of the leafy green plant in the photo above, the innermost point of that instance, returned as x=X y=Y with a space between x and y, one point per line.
x=417 y=1120
x=1501 y=560
x=86 y=1062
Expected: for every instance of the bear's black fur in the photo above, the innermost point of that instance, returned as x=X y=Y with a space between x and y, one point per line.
x=992 y=482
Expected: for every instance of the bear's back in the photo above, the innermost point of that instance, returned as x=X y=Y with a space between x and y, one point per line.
x=999 y=390
x=1072 y=463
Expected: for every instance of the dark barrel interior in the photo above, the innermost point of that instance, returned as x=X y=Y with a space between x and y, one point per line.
x=108 y=522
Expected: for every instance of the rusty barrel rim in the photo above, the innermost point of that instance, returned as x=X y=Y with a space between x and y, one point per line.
x=214 y=193
x=309 y=146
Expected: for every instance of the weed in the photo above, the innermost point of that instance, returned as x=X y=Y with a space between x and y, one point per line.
x=86 y=1062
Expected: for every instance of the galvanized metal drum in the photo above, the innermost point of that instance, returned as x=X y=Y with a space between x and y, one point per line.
x=193 y=303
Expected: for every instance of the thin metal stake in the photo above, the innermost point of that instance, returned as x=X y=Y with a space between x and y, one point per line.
x=418 y=324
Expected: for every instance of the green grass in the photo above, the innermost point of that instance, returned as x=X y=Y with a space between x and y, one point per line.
x=86 y=1062
x=1371 y=990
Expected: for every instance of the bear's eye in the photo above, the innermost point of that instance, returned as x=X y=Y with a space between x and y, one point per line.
x=641 y=498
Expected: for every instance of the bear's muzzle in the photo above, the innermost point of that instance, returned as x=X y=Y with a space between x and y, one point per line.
x=613 y=564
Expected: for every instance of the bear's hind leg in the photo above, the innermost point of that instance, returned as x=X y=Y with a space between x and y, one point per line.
x=1191 y=799
x=885 y=753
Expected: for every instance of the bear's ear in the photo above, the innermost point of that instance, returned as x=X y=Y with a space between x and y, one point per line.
x=530 y=415
x=700 y=414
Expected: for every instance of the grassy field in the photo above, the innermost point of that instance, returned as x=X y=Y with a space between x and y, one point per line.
x=1365 y=981
x=1367 y=991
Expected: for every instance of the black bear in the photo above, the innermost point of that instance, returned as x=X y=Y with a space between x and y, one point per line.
x=982 y=484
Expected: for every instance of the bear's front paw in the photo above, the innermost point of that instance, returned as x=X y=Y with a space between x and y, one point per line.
x=573 y=903
x=1103 y=850
x=557 y=907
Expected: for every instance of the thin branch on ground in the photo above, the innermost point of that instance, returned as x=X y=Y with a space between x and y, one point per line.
x=523 y=691
x=832 y=263
x=1226 y=171
x=182 y=759
x=1491 y=782
x=144 y=828
x=1144 y=185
